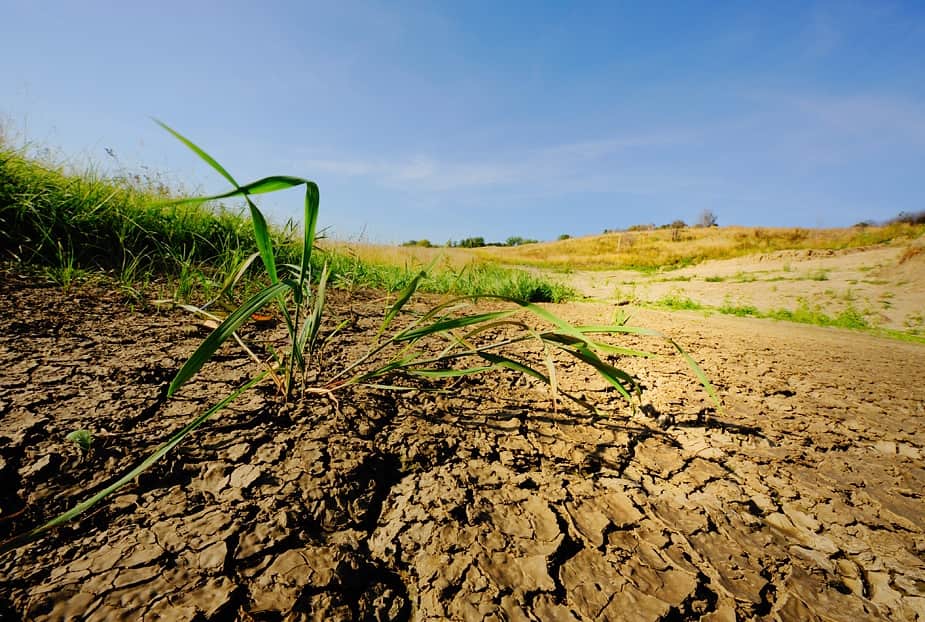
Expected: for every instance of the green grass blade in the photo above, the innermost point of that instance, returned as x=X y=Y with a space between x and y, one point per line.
x=275 y=183
x=308 y=335
x=619 y=328
x=450 y=324
x=406 y=295
x=448 y=373
x=615 y=377
x=596 y=345
x=551 y=371
x=261 y=186
x=202 y=154
x=161 y=451
x=233 y=279
x=492 y=325
x=264 y=243
x=701 y=376
x=463 y=341
x=380 y=371
x=504 y=361
x=312 y=202
x=397 y=387
x=218 y=336
x=403 y=297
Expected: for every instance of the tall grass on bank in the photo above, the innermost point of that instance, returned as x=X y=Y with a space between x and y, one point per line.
x=71 y=223
x=48 y=213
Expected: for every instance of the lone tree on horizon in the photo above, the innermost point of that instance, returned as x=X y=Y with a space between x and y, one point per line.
x=707 y=219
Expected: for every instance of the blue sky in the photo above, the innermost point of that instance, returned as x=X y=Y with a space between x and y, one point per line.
x=448 y=120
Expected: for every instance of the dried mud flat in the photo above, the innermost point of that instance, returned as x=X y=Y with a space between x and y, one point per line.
x=803 y=501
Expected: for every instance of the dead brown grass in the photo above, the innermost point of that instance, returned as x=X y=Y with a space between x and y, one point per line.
x=401 y=255
x=655 y=249
x=913 y=250
x=644 y=250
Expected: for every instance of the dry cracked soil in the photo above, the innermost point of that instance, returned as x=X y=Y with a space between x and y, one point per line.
x=800 y=500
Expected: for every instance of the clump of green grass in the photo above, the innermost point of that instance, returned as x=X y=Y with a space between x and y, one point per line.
x=744 y=277
x=448 y=340
x=818 y=275
x=477 y=279
x=677 y=302
x=849 y=317
x=729 y=308
x=669 y=279
x=714 y=279
x=914 y=322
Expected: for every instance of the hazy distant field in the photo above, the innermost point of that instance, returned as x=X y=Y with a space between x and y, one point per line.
x=859 y=277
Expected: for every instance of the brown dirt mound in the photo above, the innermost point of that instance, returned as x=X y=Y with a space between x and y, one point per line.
x=803 y=501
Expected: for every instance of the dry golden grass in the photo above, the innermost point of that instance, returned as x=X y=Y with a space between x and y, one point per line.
x=913 y=250
x=402 y=255
x=664 y=248
x=644 y=250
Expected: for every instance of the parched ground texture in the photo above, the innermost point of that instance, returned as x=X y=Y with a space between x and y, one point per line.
x=802 y=501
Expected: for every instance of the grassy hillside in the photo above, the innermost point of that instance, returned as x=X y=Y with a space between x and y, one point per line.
x=648 y=250
x=71 y=224
x=643 y=250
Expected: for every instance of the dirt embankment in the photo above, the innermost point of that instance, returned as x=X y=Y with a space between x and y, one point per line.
x=802 y=501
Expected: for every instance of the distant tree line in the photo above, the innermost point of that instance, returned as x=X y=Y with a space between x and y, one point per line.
x=909 y=218
x=477 y=242
x=707 y=218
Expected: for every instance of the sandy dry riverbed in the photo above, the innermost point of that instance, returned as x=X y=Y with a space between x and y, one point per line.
x=884 y=285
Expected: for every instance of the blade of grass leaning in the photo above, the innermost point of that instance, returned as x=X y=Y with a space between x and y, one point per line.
x=159 y=453
x=448 y=373
x=198 y=151
x=698 y=372
x=406 y=295
x=596 y=345
x=619 y=328
x=200 y=311
x=233 y=279
x=701 y=376
x=312 y=202
x=469 y=351
x=397 y=387
x=309 y=332
x=264 y=242
x=551 y=371
x=463 y=341
x=485 y=351
x=227 y=328
x=509 y=363
x=607 y=371
x=450 y=324
x=264 y=185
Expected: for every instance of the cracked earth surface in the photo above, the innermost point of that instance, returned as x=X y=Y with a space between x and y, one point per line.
x=802 y=501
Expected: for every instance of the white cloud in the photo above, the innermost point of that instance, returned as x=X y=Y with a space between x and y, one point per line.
x=530 y=166
x=424 y=172
x=591 y=149
x=865 y=114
